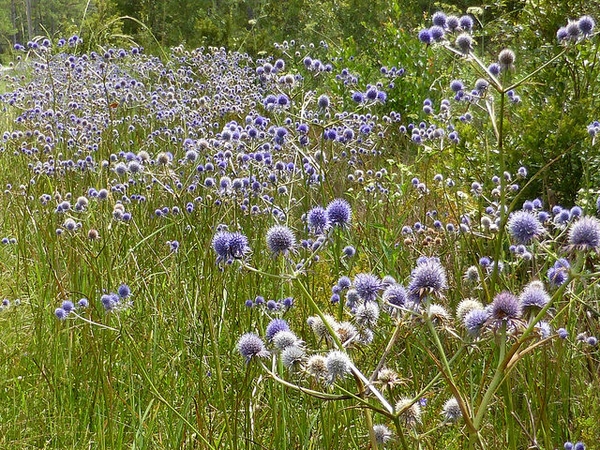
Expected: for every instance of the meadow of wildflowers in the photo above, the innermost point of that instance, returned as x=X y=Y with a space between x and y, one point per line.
x=215 y=251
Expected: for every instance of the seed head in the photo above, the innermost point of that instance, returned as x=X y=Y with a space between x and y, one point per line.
x=451 y=410
x=338 y=364
x=464 y=42
x=410 y=412
x=506 y=59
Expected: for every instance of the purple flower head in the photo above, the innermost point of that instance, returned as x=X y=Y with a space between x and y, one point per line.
x=436 y=32
x=280 y=239
x=272 y=305
x=586 y=25
x=456 y=85
x=428 y=277
x=576 y=211
x=344 y=282
x=494 y=69
x=475 y=320
x=562 y=333
x=358 y=97
x=220 y=244
x=371 y=93
x=317 y=220
x=238 y=245
x=505 y=308
x=68 y=306
x=485 y=261
x=60 y=313
x=425 y=36
x=466 y=23
x=251 y=346
x=439 y=19
x=584 y=234
x=110 y=301
x=562 y=34
x=395 y=294
x=524 y=227
x=124 y=291
x=83 y=303
x=323 y=102
x=349 y=251
x=559 y=273
x=534 y=297
x=481 y=85
x=573 y=31
x=339 y=212
x=452 y=23
x=367 y=286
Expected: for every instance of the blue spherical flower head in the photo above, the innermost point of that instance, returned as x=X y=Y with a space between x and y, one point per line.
x=584 y=234
x=238 y=245
x=494 y=69
x=280 y=239
x=456 y=86
x=559 y=273
x=425 y=36
x=439 y=19
x=358 y=97
x=367 y=286
x=110 y=301
x=349 y=251
x=452 y=23
x=124 y=291
x=534 y=297
x=429 y=277
x=475 y=321
x=524 y=227
x=436 y=32
x=395 y=294
x=339 y=213
x=251 y=346
x=60 y=313
x=586 y=25
x=466 y=23
x=344 y=282
x=68 y=306
x=274 y=327
x=317 y=220
x=220 y=244
x=323 y=102
x=505 y=309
